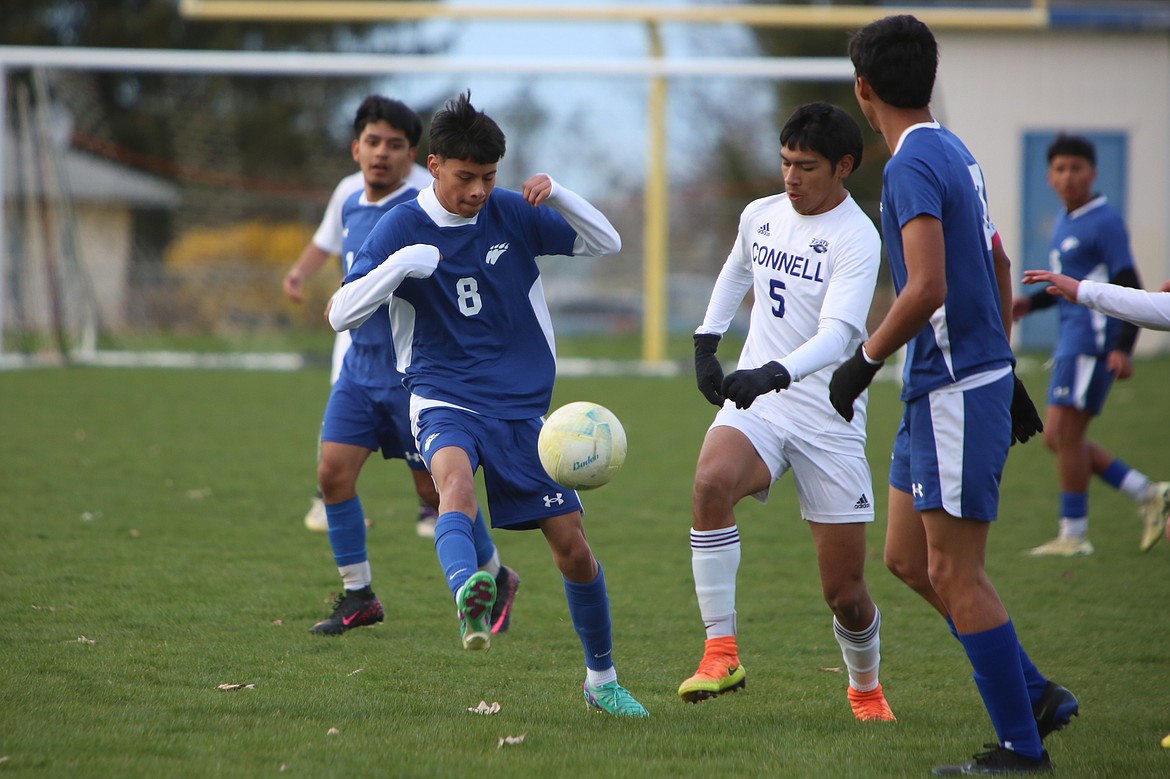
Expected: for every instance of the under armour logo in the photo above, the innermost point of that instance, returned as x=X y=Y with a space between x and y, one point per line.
x=862 y=503
x=495 y=252
x=550 y=500
x=763 y=229
x=917 y=490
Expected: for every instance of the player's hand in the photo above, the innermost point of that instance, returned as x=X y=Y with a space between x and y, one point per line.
x=537 y=189
x=1060 y=284
x=1026 y=420
x=708 y=371
x=849 y=381
x=293 y=284
x=1119 y=364
x=743 y=387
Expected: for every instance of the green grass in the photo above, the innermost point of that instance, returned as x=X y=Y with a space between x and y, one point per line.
x=158 y=515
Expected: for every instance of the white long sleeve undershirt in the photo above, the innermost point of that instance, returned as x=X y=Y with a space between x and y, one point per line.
x=1144 y=309
x=356 y=301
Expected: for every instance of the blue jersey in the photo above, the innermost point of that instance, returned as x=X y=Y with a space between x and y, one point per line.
x=477 y=333
x=931 y=173
x=370 y=360
x=1088 y=243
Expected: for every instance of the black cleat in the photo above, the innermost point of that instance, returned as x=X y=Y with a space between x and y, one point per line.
x=996 y=760
x=1056 y=707
x=352 y=609
x=507 y=583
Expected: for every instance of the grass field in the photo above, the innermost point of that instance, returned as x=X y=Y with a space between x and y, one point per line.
x=152 y=549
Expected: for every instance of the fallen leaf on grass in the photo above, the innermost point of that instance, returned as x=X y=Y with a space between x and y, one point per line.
x=227 y=687
x=278 y=622
x=333 y=732
x=484 y=708
x=511 y=740
x=355 y=671
x=831 y=669
x=83 y=640
x=44 y=608
x=199 y=494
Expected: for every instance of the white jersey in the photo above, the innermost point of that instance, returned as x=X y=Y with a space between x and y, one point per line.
x=808 y=274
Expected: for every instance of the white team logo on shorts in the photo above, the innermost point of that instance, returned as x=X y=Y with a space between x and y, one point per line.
x=495 y=252
x=549 y=500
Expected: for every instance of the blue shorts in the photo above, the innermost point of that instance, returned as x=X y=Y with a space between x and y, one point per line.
x=951 y=447
x=1081 y=382
x=371 y=417
x=519 y=491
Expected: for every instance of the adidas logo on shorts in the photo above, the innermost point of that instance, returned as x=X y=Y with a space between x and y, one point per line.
x=862 y=503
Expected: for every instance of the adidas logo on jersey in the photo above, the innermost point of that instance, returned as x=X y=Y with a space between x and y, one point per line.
x=495 y=252
x=862 y=503
x=763 y=229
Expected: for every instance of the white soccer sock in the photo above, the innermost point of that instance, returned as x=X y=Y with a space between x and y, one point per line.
x=714 y=563
x=860 y=651
x=1136 y=485
x=492 y=566
x=598 y=678
x=355 y=576
x=1074 y=528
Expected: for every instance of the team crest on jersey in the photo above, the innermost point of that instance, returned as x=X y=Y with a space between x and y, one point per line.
x=1068 y=244
x=819 y=245
x=763 y=229
x=495 y=252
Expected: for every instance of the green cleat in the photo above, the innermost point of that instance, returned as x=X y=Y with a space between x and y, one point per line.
x=613 y=699
x=476 y=598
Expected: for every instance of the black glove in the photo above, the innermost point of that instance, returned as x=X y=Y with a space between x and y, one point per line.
x=849 y=381
x=1025 y=419
x=708 y=371
x=743 y=387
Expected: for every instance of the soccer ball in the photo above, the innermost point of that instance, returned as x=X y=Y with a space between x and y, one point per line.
x=582 y=445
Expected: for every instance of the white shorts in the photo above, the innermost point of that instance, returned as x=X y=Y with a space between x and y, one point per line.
x=833 y=488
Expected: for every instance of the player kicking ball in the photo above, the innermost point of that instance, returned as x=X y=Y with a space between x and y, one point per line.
x=472 y=332
x=810 y=256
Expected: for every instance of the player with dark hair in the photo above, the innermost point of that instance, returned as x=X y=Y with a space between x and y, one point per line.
x=326 y=242
x=963 y=405
x=810 y=256
x=1089 y=241
x=368 y=407
x=474 y=339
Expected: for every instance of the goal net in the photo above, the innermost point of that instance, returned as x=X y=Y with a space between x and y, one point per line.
x=153 y=205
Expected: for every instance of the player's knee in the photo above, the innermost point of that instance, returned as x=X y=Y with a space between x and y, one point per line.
x=337 y=482
x=711 y=494
x=904 y=570
x=848 y=602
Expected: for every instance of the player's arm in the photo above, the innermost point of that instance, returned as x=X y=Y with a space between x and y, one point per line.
x=596 y=237
x=1002 y=265
x=312 y=259
x=1146 y=309
x=1121 y=358
x=925 y=290
x=924 y=253
x=734 y=281
x=361 y=296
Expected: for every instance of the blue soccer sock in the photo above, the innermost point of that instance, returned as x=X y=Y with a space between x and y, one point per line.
x=995 y=658
x=347 y=531
x=1074 y=514
x=455 y=546
x=1035 y=680
x=589 y=610
x=485 y=548
x=1115 y=473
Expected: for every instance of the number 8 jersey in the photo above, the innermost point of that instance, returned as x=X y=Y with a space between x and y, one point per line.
x=477 y=334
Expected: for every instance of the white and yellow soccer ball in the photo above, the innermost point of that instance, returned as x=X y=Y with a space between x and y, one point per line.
x=582 y=445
